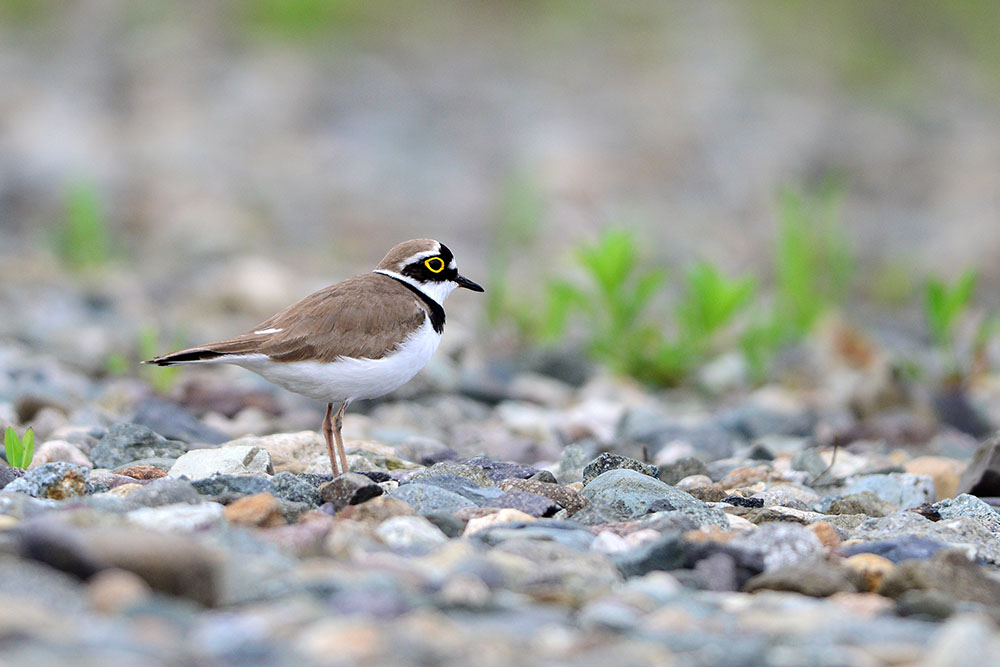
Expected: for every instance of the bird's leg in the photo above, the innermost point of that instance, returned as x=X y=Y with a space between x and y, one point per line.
x=328 y=436
x=338 y=423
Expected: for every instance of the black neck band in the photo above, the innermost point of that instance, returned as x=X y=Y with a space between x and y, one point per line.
x=437 y=312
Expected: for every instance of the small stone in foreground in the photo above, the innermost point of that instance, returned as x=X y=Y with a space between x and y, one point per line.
x=140 y=472
x=260 y=509
x=608 y=461
x=125 y=443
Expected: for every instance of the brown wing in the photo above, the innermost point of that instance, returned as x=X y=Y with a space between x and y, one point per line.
x=365 y=316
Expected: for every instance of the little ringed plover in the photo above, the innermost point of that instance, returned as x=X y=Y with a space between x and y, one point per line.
x=361 y=338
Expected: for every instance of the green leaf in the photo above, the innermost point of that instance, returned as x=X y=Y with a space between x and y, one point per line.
x=19 y=451
x=28 y=452
x=944 y=306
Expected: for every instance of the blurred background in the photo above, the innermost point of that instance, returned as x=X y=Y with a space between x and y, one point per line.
x=171 y=172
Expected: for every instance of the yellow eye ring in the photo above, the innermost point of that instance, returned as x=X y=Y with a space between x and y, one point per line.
x=434 y=264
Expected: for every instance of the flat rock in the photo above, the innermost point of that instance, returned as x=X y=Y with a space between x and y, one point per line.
x=607 y=461
x=165 y=491
x=500 y=470
x=949 y=572
x=227 y=488
x=864 y=502
x=228 y=460
x=532 y=504
x=125 y=443
x=901 y=489
x=904 y=547
x=53 y=481
x=964 y=531
x=474 y=473
x=463 y=486
x=141 y=472
x=426 y=498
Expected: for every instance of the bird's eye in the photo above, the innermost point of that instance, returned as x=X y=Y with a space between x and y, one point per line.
x=434 y=264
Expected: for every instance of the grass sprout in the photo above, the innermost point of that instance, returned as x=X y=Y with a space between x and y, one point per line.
x=19 y=450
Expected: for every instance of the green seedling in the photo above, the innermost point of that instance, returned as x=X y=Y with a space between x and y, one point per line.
x=83 y=241
x=162 y=378
x=944 y=305
x=19 y=451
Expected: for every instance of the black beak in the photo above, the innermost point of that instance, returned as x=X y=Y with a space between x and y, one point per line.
x=468 y=284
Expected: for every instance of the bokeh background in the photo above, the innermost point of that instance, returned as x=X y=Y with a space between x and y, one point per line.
x=238 y=153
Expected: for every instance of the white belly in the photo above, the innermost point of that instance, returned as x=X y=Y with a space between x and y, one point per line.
x=349 y=379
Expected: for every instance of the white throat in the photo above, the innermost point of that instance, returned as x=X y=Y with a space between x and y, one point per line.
x=438 y=290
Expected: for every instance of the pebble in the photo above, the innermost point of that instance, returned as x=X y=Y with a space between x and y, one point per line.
x=566 y=498
x=503 y=516
x=289 y=452
x=630 y=494
x=902 y=490
x=873 y=569
x=945 y=472
x=59 y=450
x=178 y=518
x=228 y=460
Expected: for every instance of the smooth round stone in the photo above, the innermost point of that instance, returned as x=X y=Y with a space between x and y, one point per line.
x=463 y=486
x=125 y=443
x=166 y=491
x=872 y=568
x=180 y=518
x=349 y=489
x=694 y=482
x=672 y=473
x=607 y=461
x=816 y=578
x=631 y=494
x=59 y=450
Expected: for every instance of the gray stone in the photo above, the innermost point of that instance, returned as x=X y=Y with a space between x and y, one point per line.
x=227 y=488
x=349 y=489
x=631 y=494
x=901 y=489
x=425 y=498
x=500 y=470
x=8 y=475
x=903 y=547
x=465 y=487
x=525 y=501
x=780 y=545
x=606 y=461
x=175 y=422
x=809 y=460
x=566 y=498
x=126 y=443
x=288 y=486
x=970 y=506
x=54 y=481
x=672 y=473
x=231 y=460
x=754 y=421
x=965 y=531
x=165 y=491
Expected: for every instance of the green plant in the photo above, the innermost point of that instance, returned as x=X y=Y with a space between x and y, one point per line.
x=944 y=305
x=813 y=267
x=19 y=451
x=615 y=305
x=83 y=241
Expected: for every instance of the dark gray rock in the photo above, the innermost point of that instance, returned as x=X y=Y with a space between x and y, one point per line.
x=753 y=421
x=227 y=488
x=175 y=422
x=127 y=443
x=290 y=487
x=607 y=461
x=567 y=533
x=349 y=489
x=966 y=531
x=166 y=491
x=500 y=470
x=525 y=501
x=672 y=473
x=982 y=475
x=58 y=480
x=948 y=572
x=568 y=499
x=472 y=473
x=931 y=605
x=905 y=547
x=426 y=498
x=544 y=476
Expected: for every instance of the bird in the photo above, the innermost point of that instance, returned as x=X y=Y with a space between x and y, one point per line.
x=357 y=339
